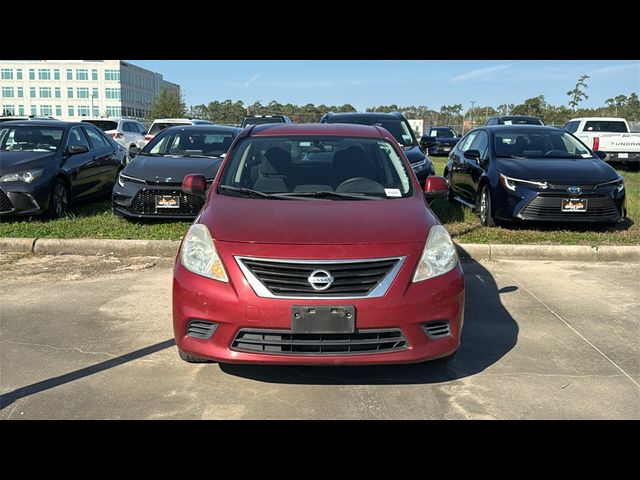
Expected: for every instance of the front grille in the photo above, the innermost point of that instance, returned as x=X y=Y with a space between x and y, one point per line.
x=283 y=342
x=438 y=329
x=289 y=278
x=5 y=203
x=563 y=187
x=144 y=203
x=200 y=329
x=548 y=207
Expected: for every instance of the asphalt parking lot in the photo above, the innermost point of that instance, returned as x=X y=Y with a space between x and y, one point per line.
x=91 y=338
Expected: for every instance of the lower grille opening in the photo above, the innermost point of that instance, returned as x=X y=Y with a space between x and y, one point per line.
x=283 y=342
x=5 y=203
x=200 y=329
x=144 y=203
x=438 y=329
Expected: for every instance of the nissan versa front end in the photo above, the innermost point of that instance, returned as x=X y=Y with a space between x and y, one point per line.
x=316 y=246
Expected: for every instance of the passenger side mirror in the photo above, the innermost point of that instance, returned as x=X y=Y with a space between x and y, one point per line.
x=473 y=155
x=75 y=149
x=435 y=186
x=134 y=152
x=600 y=154
x=194 y=184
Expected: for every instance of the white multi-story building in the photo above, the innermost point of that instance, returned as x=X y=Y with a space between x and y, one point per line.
x=72 y=89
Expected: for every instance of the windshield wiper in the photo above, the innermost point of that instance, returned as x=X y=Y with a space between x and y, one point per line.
x=509 y=156
x=247 y=191
x=329 y=193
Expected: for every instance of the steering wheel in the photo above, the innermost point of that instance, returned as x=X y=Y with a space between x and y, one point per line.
x=368 y=184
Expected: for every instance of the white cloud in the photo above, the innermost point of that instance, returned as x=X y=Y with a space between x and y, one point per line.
x=616 y=71
x=486 y=73
x=245 y=85
x=313 y=83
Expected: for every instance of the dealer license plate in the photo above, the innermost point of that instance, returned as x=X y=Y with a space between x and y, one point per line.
x=167 y=201
x=574 y=205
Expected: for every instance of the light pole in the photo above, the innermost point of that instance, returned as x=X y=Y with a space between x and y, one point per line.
x=473 y=105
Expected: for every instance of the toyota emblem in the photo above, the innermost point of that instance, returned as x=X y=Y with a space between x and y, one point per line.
x=320 y=280
x=574 y=189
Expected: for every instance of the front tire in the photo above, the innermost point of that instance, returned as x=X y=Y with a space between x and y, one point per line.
x=60 y=200
x=484 y=208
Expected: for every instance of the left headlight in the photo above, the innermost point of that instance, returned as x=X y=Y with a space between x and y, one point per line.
x=438 y=257
x=510 y=183
x=28 y=176
x=199 y=254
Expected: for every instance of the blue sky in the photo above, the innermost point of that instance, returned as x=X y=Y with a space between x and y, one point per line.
x=365 y=83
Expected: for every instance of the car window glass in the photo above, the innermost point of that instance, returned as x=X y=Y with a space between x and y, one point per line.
x=480 y=143
x=140 y=129
x=96 y=139
x=77 y=137
x=605 y=126
x=465 y=143
x=572 y=126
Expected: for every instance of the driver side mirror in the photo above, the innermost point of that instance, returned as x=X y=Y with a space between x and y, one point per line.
x=75 y=149
x=600 y=154
x=435 y=186
x=472 y=155
x=194 y=184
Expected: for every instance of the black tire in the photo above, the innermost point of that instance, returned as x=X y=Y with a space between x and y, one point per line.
x=484 y=208
x=192 y=359
x=60 y=201
x=450 y=195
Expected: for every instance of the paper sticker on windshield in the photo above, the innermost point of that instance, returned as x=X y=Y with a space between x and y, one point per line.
x=392 y=192
x=508 y=122
x=305 y=144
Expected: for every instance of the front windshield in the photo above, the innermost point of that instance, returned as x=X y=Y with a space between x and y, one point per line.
x=191 y=142
x=397 y=128
x=442 y=132
x=331 y=168
x=30 y=139
x=538 y=143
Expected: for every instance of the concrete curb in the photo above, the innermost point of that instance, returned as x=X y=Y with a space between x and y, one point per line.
x=468 y=251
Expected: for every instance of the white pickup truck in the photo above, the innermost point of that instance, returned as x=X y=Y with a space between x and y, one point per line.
x=609 y=135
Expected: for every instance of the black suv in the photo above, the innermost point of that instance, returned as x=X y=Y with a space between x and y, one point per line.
x=262 y=119
x=398 y=126
x=514 y=120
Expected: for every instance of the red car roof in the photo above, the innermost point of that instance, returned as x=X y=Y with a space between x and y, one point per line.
x=333 y=129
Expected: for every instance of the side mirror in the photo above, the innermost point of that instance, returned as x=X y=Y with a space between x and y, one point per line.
x=75 y=149
x=472 y=155
x=600 y=154
x=134 y=152
x=429 y=142
x=435 y=186
x=195 y=184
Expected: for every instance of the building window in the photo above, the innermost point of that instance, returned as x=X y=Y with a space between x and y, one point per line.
x=56 y=74
x=45 y=92
x=6 y=74
x=112 y=93
x=113 y=111
x=83 y=111
x=34 y=110
x=70 y=111
x=8 y=110
x=20 y=109
x=57 y=93
x=44 y=74
x=82 y=74
x=83 y=92
x=113 y=75
x=7 y=92
x=69 y=92
x=20 y=92
x=69 y=74
x=32 y=92
x=19 y=77
x=94 y=92
x=58 y=110
x=94 y=75
x=96 y=111
x=45 y=110
x=32 y=74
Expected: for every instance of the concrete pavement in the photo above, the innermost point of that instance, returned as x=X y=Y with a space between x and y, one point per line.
x=91 y=337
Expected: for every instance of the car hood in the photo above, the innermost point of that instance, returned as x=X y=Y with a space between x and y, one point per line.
x=310 y=222
x=11 y=162
x=414 y=154
x=584 y=171
x=160 y=168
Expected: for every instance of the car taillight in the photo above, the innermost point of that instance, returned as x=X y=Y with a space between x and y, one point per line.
x=596 y=143
x=149 y=137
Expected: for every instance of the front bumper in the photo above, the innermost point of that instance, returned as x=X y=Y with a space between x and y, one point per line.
x=234 y=306
x=19 y=198
x=136 y=200
x=630 y=157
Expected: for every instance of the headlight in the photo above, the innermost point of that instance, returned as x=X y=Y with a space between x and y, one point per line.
x=419 y=165
x=122 y=178
x=199 y=255
x=510 y=183
x=621 y=185
x=27 y=176
x=438 y=257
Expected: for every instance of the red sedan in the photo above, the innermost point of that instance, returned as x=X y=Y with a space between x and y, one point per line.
x=317 y=246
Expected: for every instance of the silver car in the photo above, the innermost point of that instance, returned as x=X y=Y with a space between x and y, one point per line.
x=125 y=131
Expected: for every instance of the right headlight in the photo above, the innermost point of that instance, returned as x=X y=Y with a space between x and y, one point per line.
x=199 y=255
x=510 y=183
x=122 y=178
x=438 y=257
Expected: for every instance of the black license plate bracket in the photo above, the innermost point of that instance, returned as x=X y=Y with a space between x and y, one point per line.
x=323 y=319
